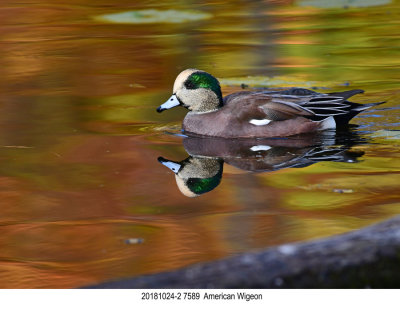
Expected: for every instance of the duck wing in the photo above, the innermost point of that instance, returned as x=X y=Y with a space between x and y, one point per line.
x=320 y=104
x=295 y=102
x=277 y=108
x=264 y=105
x=284 y=105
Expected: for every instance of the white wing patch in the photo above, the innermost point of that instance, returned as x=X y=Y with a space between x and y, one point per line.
x=260 y=122
x=260 y=148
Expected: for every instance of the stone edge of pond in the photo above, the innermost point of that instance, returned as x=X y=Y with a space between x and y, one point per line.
x=365 y=258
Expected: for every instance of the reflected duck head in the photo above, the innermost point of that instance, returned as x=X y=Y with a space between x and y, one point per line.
x=195 y=175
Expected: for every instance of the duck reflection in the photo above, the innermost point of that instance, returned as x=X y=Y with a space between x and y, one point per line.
x=201 y=172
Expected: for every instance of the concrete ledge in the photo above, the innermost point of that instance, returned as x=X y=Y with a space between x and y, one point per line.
x=369 y=257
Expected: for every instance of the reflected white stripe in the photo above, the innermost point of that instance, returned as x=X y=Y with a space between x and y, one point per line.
x=260 y=148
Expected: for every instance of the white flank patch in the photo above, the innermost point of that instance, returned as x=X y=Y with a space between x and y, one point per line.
x=328 y=123
x=260 y=148
x=260 y=122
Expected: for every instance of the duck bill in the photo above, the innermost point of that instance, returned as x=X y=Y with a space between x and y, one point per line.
x=170 y=103
x=173 y=166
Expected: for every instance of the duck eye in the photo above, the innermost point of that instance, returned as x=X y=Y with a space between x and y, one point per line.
x=190 y=85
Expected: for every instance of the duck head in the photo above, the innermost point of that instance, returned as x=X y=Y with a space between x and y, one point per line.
x=195 y=175
x=196 y=90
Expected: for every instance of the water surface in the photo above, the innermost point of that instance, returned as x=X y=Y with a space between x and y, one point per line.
x=83 y=197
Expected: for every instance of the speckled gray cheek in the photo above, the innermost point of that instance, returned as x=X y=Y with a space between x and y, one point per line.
x=200 y=168
x=198 y=100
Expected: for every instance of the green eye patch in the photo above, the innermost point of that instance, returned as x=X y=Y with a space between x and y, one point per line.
x=203 y=185
x=204 y=80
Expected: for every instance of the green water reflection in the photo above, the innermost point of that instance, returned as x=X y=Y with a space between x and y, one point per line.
x=80 y=138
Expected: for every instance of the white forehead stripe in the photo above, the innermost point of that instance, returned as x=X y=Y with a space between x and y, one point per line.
x=172 y=102
x=182 y=77
x=183 y=187
x=260 y=148
x=260 y=122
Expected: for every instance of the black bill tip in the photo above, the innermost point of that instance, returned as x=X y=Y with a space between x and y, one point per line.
x=160 y=109
x=162 y=160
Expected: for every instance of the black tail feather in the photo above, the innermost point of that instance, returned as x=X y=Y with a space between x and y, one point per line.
x=346 y=94
x=356 y=108
x=361 y=107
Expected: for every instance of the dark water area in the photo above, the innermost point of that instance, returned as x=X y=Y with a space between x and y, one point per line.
x=84 y=197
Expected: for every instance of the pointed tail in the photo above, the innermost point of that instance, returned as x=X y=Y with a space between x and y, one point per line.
x=343 y=120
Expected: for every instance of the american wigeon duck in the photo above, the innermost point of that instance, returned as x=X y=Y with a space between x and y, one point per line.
x=257 y=113
x=201 y=172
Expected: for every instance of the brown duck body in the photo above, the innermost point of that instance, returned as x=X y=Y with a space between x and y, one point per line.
x=290 y=112
x=225 y=124
x=233 y=120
